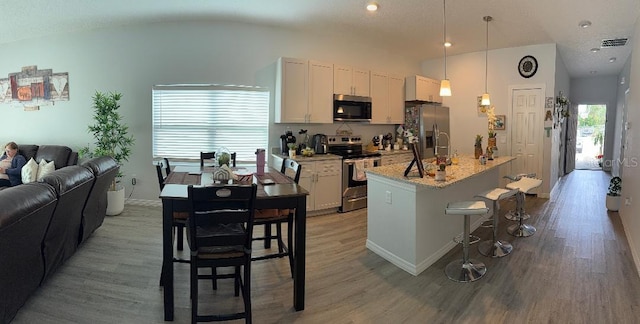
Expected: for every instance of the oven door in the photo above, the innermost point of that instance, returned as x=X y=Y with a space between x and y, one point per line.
x=354 y=184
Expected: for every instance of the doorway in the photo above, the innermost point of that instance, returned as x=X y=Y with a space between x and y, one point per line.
x=590 y=137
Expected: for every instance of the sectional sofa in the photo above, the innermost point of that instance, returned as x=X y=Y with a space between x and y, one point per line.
x=43 y=223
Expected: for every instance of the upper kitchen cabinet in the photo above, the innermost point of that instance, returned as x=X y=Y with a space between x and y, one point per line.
x=348 y=80
x=304 y=91
x=421 y=88
x=387 y=98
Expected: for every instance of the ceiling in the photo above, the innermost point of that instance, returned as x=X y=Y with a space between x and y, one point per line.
x=413 y=27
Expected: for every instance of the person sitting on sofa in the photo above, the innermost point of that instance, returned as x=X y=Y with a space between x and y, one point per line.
x=11 y=164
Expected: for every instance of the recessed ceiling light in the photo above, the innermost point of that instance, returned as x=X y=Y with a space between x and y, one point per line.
x=611 y=60
x=447 y=44
x=372 y=6
x=593 y=72
x=584 y=24
x=595 y=50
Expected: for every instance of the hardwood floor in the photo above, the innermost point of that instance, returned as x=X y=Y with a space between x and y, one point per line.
x=577 y=268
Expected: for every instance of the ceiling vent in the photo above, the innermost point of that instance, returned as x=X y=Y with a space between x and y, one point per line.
x=614 y=42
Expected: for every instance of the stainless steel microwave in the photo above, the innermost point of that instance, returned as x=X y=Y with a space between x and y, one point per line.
x=351 y=108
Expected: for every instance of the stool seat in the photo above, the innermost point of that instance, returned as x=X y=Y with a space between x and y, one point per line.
x=466 y=208
x=525 y=184
x=497 y=194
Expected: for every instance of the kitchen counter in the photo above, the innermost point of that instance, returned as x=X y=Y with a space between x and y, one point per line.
x=467 y=167
x=406 y=223
x=393 y=152
x=314 y=158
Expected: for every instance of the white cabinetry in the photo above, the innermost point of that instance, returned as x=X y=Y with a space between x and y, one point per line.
x=423 y=89
x=304 y=91
x=350 y=81
x=387 y=99
x=323 y=181
x=404 y=157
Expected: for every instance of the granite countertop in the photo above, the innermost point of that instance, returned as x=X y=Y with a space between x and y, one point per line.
x=315 y=157
x=467 y=167
x=392 y=152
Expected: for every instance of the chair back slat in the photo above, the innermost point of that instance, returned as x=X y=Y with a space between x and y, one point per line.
x=221 y=215
x=160 y=176
x=289 y=167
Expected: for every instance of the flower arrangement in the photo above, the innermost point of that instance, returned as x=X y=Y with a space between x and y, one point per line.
x=491 y=117
x=478 y=140
x=599 y=158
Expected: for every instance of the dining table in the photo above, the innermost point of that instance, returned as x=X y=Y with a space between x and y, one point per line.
x=274 y=190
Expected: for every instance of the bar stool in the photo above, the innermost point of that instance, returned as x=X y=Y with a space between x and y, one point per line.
x=513 y=215
x=524 y=186
x=466 y=269
x=496 y=248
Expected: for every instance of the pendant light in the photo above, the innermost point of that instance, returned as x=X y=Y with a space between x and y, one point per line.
x=486 y=101
x=445 y=85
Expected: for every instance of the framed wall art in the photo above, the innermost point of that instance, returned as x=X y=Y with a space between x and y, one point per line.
x=500 y=123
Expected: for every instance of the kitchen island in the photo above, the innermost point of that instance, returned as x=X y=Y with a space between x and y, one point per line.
x=406 y=223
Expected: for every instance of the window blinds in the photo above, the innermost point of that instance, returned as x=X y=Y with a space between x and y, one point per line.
x=188 y=119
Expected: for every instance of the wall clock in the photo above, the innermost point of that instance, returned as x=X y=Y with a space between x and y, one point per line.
x=528 y=66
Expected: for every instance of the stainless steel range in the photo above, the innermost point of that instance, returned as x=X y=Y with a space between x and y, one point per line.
x=354 y=160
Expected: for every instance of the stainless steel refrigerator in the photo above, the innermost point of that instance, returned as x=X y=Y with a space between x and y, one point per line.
x=430 y=123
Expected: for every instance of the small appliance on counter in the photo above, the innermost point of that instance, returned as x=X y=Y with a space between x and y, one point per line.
x=286 y=139
x=320 y=143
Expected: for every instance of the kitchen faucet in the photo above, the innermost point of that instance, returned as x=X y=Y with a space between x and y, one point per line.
x=436 y=147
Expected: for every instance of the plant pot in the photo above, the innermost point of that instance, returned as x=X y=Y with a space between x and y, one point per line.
x=478 y=151
x=115 y=201
x=613 y=203
x=292 y=153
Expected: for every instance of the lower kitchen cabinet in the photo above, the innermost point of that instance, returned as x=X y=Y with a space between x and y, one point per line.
x=323 y=180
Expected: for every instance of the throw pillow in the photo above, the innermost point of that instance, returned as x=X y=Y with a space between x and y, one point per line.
x=45 y=168
x=29 y=171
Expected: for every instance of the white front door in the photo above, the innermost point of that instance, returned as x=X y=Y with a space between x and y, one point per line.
x=527 y=132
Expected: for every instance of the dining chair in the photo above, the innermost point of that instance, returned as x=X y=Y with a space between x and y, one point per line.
x=179 y=218
x=167 y=167
x=269 y=217
x=220 y=227
x=212 y=155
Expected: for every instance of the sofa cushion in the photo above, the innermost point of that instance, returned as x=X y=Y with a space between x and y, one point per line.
x=29 y=171
x=28 y=151
x=45 y=168
x=72 y=185
x=25 y=214
x=57 y=153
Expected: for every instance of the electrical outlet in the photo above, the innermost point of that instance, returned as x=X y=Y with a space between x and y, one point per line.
x=387 y=197
x=627 y=201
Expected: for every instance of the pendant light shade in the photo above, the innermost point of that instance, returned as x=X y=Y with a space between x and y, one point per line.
x=486 y=100
x=445 y=85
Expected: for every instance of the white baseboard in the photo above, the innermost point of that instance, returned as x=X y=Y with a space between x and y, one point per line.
x=634 y=253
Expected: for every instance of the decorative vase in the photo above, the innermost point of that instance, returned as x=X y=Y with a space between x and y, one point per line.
x=491 y=142
x=478 y=151
x=115 y=201
x=613 y=203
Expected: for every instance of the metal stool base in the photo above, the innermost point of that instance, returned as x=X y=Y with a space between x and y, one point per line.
x=521 y=230
x=473 y=239
x=495 y=250
x=515 y=216
x=459 y=271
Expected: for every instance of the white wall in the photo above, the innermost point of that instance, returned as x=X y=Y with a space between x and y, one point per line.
x=597 y=91
x=631 y=169
x=467 y=75
x=556 y=144
x=131 y=59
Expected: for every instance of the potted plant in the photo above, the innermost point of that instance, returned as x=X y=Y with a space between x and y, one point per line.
x=111 y=139
x=613 y=196
x=292 y=150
